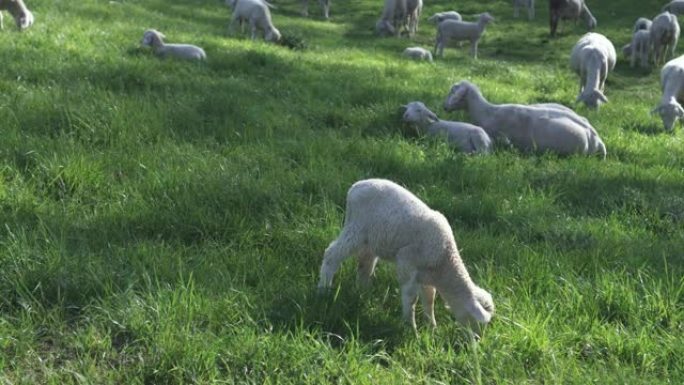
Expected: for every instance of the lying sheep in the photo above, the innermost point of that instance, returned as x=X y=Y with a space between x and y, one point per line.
x=542 y=127
x=640 y=48
x=466 y=137
x=153 y=38
x=455 y=30
x=441 y=16
x=672 y=82
x=527 y=4
x=664 y=36
x=325 y=5
x=569 y=10
x=384 y=220
x=418 y=53
x=592 y=58
x=257 y=13
x=676 y=7
x=394 y=16
x=21 y=14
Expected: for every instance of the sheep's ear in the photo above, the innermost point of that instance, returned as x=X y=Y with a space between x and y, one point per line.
x=477 y=311
x=458 y=91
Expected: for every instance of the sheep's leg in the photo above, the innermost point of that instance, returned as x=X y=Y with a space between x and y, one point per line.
x=325 y=4
x=338 y=250
x=530 y=10
x=409 y=285
x=305 y=8
x=1 y=25
x=366 y=267
x=674 y=46
x=473 y=48
x=427 y=300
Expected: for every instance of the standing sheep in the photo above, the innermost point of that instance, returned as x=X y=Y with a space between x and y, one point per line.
x=640 y=48
x=541 y=127
x=672 y=82
x=257 y=13
x=394 y=16
x=664 y=36
x=325 y=5
x=676 y=7
x=592 y=58
x=455 y=30
x=384 y=220
x=569 y=10
x=21 y=14
x=153 y=38
x=466 y=137
x=527 y=4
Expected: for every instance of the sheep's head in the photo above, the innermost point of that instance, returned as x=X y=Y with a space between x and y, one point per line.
x=486 y=18
x=384 y=28
x=22 y=16
x=152 y=37
x=457 y=98
x=272 y=35
x=475 y=311
x=669 y=113
x=418 y=113
x=592 y=98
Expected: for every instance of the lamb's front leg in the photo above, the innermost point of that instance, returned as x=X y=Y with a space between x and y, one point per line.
x=409 y=285
x=473 y=48
x=427 y=299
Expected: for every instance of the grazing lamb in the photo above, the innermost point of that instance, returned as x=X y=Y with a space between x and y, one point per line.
x=384 y=220
x=418 y=53
x=325 y=4
x=528 y=4
x=153 y=38
x=592 y=58
x=394 y=17
x=455 y=30
x=21 y=14
x=672 y=82
x=676 y=7
x=541 y=127
x=640 y=48
x=569 y=10
x=257 y=13
x=441 y=16
x=466 y=137
x=664 y=36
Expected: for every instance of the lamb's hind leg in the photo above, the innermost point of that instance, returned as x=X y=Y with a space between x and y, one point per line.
x=338 y=250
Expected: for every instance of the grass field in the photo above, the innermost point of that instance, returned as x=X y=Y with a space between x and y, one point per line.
x=163 y=222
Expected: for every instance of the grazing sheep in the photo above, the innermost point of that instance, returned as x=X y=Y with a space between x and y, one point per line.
x=664 y=36
x=569 y=10
x=384 y=220
x=456 y=30
x=21 y=14
x=672 y=82
x=325 y=4
x=418 y=53
x=466 y=137
x=441 y=16
x=257 y=13
x=153 y=38
x=528 y=4
x=592 y=58
x=541 y=127
x=676 y=7
x=394 y=16
x=640 y=48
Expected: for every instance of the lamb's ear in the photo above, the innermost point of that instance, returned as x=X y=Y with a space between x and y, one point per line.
x=477 y=311
x=458 y=91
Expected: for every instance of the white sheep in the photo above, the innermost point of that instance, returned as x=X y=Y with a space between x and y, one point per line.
x=441 y=16
x=592 y=58
x=257 y=13
x=394 y=16
x=676 y=7
x=325 y=5
x=384 y=220
x=527 y=4
x=569 y=10
x=418 y=53
x=21 y=14
x=541 y=127
x=672 y=82
x=468 y=138
x=664 y=36
x=454 y=30
x=153 y=38
x=640 y=48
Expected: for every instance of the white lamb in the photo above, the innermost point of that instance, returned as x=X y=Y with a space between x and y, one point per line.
x=468 y=138
x=527 y=4
x=664 y=36
x=441 y=16
x=21 y=14
x=384 y=220
x=541 y=127
x=640 y=48
x=672 y=81
x=569 y=10
x=454 y=30
x=325 y=5
x=257 y=13
x=592 y=58
x=418 y=53
x=153 y=38
x=394 y=16
x=676 y=7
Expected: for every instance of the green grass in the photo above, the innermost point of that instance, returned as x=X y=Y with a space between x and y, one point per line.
x=163 y=222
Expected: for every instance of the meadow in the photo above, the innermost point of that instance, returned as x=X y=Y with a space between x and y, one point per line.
x=163 y=222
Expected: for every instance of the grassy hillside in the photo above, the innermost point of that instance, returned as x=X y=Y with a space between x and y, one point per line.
x=163 y=222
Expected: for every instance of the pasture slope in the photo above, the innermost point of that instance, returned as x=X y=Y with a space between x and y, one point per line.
x=163 y=222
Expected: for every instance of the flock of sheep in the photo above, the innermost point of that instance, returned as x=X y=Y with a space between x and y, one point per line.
x=384 y=220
